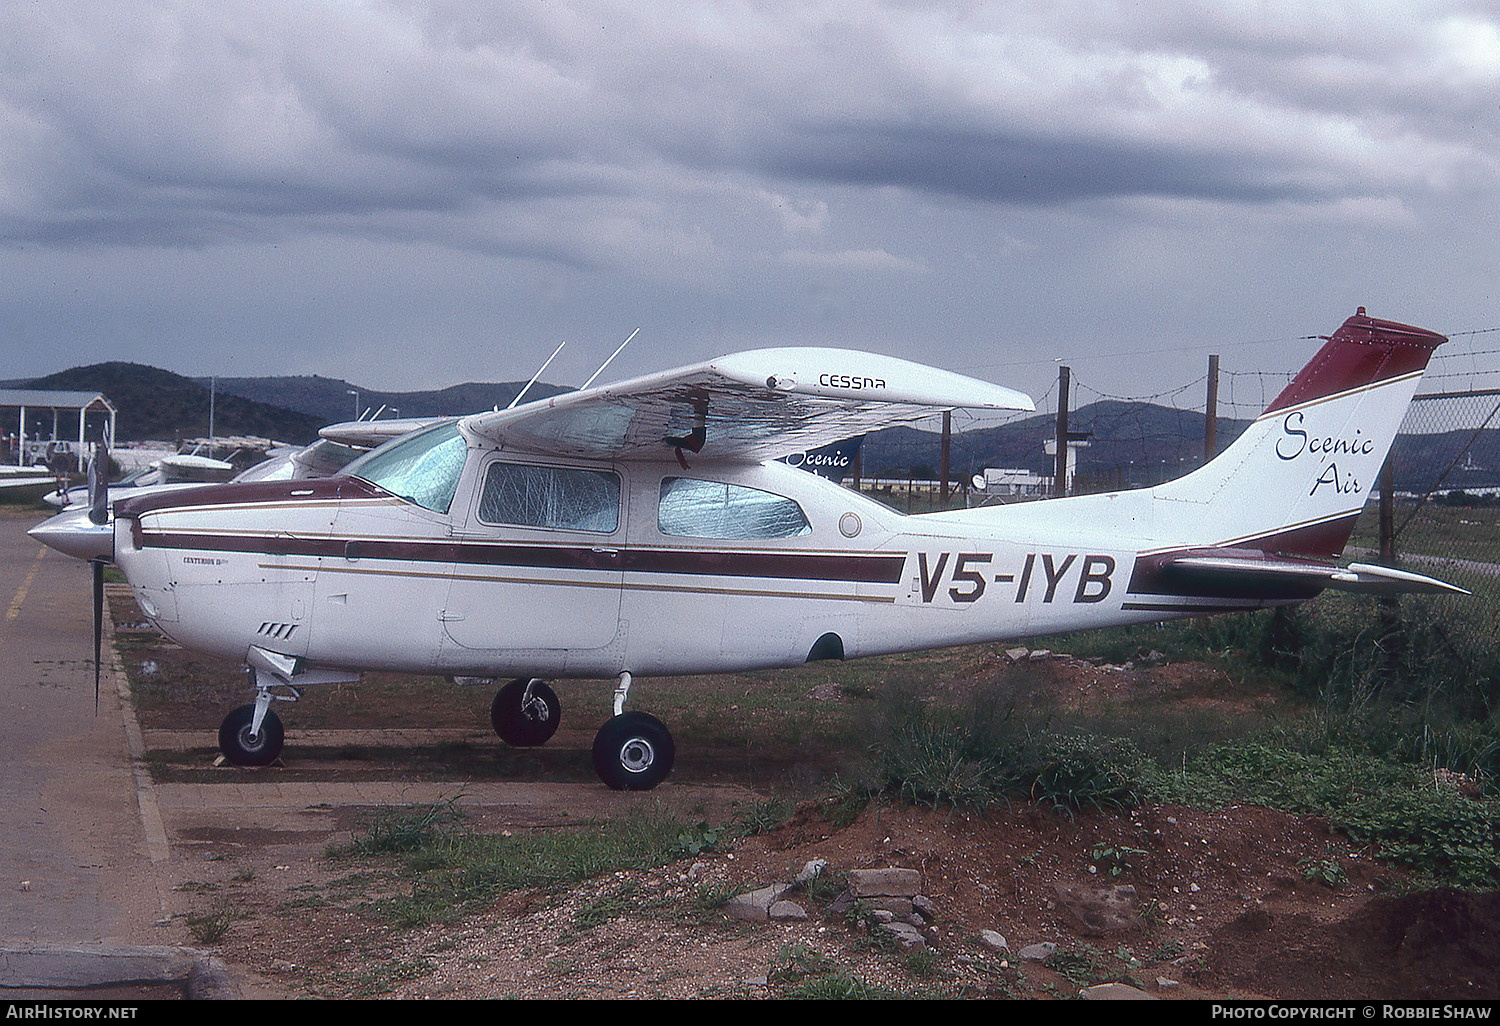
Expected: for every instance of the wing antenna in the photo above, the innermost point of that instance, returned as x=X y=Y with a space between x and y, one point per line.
x=611 y=359
x=539 y=372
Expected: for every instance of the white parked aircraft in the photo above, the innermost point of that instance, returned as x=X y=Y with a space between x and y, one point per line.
x=646 y=528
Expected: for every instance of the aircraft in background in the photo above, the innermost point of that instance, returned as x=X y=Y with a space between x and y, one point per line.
x=647 y=528
x=17 y=478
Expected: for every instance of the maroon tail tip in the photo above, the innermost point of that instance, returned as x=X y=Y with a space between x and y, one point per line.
x=1363 y=351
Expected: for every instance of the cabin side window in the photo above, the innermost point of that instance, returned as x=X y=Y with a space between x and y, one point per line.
x=691 y=508
x=561 y=498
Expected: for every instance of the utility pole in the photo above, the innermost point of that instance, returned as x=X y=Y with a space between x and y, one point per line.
x=1388 y=513
x=943 y=461
x=1060 y=473
x=1211 y=411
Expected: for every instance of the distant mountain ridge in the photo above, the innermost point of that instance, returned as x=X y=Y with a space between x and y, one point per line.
x=1132 y=444
x=330 y=398
x=159 y=404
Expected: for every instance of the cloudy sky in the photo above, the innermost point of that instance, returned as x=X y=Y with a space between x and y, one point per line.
x=413 y=194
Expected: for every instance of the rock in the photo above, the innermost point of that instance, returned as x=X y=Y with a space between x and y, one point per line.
x=1101 y=911
x=923 y=904
x=1167 y=983
x=994 y=941
x=889 y=882
x=786 y=910
x=756 y=905
x=1038 y=952
x=907 y=936
x=1015 y=655
x=208 y=979
x=896 y=906
x=1039 y=654
x=811 y=871
x=1114 y=992
x=843 y=903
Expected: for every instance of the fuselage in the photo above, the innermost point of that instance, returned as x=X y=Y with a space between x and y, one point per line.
x=571 y=568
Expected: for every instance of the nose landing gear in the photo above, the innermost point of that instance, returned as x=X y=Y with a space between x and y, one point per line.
x=525 y=713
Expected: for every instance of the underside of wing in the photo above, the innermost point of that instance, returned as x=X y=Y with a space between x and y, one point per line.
x=746 y=407
x=1252 y=574
x=367 y=434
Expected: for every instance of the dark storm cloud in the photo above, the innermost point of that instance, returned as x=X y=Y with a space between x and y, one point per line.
x=180 y=124
x=356 y=174
x=1033 y=169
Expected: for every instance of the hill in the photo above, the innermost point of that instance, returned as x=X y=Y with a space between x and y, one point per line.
x=158 y=404
x=1132 y=444
x=329 y=399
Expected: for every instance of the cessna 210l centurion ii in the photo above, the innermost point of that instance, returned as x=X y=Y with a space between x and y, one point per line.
x=646 y=528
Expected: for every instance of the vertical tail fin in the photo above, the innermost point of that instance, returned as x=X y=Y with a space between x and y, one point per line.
x=1298 y=477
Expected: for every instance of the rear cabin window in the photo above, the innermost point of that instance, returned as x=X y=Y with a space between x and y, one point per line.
x=562 y=498
x=690 y=508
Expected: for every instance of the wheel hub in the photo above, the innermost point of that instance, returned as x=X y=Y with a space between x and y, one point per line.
x=637 y=755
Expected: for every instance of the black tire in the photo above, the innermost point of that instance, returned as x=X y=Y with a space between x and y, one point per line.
x=243 y=749
x=633 y=752
x=529 y=726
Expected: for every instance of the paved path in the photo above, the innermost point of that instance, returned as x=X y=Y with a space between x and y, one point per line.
x=92 y=850
x=74 y=864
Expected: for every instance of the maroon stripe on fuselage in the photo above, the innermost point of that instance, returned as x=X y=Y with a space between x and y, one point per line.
x=250 y=493
x=1154 y=575
x=1363 y=351
x=1325 y=540
x=855 y=569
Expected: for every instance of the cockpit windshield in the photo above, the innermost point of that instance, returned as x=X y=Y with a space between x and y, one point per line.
x=422 y=467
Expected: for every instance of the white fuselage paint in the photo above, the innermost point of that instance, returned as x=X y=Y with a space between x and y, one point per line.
x=380 y=583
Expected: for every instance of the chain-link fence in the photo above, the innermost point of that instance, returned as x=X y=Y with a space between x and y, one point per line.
x=1445 y=462
x=1446 y=497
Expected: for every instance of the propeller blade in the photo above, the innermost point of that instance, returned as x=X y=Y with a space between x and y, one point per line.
x=99 y=484
x=98 y=568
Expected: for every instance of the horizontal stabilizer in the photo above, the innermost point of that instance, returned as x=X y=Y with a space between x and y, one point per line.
x=1382 y=580
x=1245 y=573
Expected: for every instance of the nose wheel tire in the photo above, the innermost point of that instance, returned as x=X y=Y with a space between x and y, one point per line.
x=633 y=752
x=523 y=720
x=245 y=749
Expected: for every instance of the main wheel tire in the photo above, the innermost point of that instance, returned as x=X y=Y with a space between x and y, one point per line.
x=633 y=752
x=528 y=725
x=245 y=749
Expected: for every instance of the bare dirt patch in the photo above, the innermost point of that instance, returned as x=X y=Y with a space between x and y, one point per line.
x=1236 y=902
x=1225 y=907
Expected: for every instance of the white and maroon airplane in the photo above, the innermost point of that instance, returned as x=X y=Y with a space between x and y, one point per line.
x=646 y=528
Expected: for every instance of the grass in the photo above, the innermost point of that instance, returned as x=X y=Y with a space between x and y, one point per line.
x=1366 y=701
x=448 y=871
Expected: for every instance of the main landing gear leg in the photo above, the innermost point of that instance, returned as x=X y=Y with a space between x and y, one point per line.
x=632 y=751
x=252 y=734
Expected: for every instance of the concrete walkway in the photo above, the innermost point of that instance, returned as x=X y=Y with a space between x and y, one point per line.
x=73 y=854
x=92 y=849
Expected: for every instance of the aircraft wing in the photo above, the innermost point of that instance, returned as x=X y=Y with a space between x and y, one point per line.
x=17 y=481
x=746 y=407
x=367 y=434
x=1253 y=574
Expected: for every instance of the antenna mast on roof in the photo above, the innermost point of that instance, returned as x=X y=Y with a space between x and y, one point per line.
x=612 y=356
x=538 y=374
